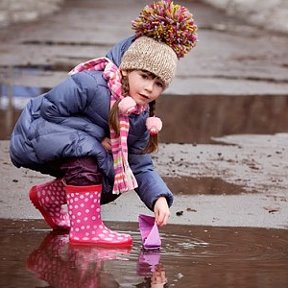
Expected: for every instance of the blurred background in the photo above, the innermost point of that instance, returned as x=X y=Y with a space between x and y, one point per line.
x=235 y=79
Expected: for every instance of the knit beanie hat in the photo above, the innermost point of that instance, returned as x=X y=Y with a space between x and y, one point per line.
x=164 y=33
x=147 y=54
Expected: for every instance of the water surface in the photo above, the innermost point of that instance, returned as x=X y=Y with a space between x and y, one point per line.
x=187 y=119
x=191 y=256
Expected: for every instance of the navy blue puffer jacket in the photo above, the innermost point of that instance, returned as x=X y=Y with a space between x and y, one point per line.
x=71 y=120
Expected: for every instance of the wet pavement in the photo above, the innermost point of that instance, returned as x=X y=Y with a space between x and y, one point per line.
x=224 y=154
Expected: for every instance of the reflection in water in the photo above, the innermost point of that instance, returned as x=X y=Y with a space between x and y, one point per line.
x=13 y=97
x=149 y=266
x=195 y=119
x=193 y=256
x=226 y=257
x=11 y=89
x=8 y=119
x=63 y=265
x=191 y=119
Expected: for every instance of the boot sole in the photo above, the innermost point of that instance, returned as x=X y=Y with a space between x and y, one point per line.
x=100 y=244
x=34 y=199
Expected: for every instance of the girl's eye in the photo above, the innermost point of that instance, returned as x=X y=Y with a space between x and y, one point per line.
x=144 y=76
x=160 y=84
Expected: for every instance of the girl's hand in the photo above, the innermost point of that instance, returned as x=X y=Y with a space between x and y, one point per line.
x=106 y=143
x=161 y=211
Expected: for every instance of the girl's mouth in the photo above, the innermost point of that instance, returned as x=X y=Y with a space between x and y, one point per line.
x=144 y=96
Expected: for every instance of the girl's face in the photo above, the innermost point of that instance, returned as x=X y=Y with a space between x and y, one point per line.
x=144 y=87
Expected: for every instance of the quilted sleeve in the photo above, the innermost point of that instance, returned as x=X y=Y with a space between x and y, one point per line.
x=150 y=184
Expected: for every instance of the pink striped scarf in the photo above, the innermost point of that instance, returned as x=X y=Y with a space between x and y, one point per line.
x=124 y=179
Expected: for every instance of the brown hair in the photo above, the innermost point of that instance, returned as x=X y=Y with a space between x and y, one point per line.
x=152 y=145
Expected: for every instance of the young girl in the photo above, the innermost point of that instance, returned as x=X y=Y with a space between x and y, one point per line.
x=94 y=131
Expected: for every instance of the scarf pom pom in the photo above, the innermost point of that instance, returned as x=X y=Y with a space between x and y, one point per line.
x=127 y=105
x=154 y=125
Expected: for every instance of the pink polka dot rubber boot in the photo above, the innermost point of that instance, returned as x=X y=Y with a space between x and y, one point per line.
x=87 y=227
x=49 y=199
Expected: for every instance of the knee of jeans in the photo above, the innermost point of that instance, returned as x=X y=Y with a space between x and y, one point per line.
x=81 y=171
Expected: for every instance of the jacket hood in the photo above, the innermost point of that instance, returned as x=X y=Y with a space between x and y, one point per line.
x=117 y=51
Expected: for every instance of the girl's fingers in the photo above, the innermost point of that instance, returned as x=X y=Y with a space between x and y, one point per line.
x=162 y=219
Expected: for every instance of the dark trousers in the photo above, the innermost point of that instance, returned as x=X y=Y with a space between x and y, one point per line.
x=81 y=171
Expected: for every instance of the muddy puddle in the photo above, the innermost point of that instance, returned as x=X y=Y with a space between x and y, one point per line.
x=191 y=256
x=196 y=119
x=202 y=186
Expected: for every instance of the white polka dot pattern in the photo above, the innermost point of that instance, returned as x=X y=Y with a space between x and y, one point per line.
x=49 y=199
x=86 y=224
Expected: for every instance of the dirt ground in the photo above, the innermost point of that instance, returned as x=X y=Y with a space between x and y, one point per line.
x=240 y=184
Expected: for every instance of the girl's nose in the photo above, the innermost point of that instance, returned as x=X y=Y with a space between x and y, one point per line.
x=149 y=85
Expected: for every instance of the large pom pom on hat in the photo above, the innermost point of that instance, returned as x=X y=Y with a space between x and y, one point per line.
x=164 y=33
x=169 y=23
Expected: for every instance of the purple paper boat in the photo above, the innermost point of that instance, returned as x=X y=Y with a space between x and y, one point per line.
x=149 y=232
